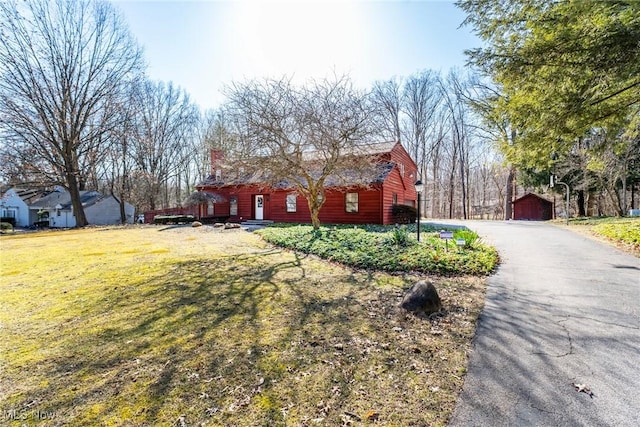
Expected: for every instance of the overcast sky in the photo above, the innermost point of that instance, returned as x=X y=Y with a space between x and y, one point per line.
x=204 y=45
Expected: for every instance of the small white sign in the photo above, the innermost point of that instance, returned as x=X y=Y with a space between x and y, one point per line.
x=446 y=234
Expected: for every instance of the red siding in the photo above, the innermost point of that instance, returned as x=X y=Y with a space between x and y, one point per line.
x=333 y=210
x=532 y=207
x=397 y=183
x=394 y=184
x=374 y=202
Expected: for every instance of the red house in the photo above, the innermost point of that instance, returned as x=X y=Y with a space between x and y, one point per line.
x=250 y=199
x=532 y=207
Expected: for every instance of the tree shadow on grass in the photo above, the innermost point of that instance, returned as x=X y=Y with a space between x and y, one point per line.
x=257 y=339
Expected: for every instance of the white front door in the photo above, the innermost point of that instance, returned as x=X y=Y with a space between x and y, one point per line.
x=259 y=206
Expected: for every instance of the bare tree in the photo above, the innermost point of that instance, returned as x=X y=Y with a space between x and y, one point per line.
x=217 y=132
x=63 y=65
x=387 y=101
x=421 y=100
x=306 y=137
x=162 y=141
x=116 y=171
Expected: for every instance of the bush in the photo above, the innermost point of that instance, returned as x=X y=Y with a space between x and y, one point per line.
x=173 y=219
x=385 y=248
x=625 y=230
x=404 y=214
x=8 y=219
x=400 y=237
x=6 y=227
x=469 y=237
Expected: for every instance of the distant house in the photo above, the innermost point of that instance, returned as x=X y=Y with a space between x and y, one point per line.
x=250 y=198
x=55 y=210
x=533 y=208
x=14 y=206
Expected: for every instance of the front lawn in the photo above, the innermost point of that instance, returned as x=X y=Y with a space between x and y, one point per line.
x=390 y=248
x=149 y=325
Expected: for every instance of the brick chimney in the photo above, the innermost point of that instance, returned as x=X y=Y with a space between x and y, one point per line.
x=217 y=157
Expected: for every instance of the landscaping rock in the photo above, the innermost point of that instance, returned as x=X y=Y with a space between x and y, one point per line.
x=422 y=298
x=218 y=225
x=229 y=225
x=196 y=224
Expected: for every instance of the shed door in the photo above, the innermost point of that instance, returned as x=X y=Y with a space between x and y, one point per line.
x=259 y=206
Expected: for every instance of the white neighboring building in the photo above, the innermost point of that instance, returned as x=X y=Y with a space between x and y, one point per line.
x=15 y=204
x=57 y=209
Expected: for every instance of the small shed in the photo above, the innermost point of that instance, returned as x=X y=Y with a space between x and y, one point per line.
x=533 y=208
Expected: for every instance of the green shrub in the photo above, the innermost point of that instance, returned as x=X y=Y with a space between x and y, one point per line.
x=624 y=230
x=173 y=219
x=404 y=214
x=8 y=219
x=470 y=237
x=385 y=248
x=400 y=236
x=6 y=227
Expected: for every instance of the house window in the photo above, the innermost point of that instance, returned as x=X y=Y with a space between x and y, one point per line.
x=292 y=202
x=351 y=202
x=210 y=209
x=233 y=205
x=401 y=169
x=218 y=175
x=394 y=199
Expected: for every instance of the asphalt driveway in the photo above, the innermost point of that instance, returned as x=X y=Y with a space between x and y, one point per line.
x=562 y=309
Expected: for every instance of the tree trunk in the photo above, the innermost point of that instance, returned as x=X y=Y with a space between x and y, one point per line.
x=463 y=186
x=76 y=203
x=623 y=204
x=451 y=194
x=591 y=203
x=508 y=194
x=581 y=204
x=314 y=211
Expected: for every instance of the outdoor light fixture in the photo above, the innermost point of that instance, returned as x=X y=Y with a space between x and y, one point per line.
x=419 y=188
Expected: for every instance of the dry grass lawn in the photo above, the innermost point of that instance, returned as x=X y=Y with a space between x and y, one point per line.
x=146 y=326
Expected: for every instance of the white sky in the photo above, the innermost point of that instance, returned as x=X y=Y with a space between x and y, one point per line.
x=204 y=45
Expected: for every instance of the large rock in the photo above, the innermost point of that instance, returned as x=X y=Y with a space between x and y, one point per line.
x=422 y=298
x=196 y=224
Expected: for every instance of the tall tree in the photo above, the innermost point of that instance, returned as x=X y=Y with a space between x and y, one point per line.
x=304 y=136
x=421 y=100
x=63 y=64
x=565 y=66
x=387 y=100
x=162 y=142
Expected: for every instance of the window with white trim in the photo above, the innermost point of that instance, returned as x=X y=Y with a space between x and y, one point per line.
x=351 y=202
x=292 y=205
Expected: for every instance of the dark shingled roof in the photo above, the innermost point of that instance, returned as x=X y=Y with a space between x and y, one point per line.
x=347 y=178
x=383 y=169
